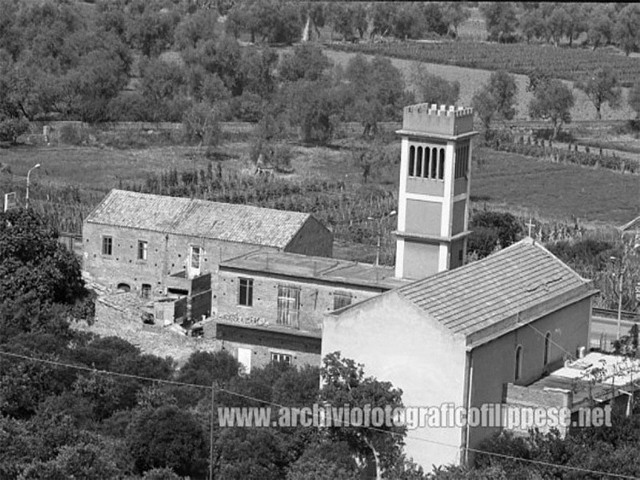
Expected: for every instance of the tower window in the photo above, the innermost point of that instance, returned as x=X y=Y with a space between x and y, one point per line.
x=419 y=163
x=518 y=369
x=441 y=165
x=412 y=160
x=434 y=162
x=425 y=172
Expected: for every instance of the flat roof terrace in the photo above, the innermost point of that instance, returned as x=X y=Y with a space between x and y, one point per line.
x=319 y=269
x=598 y=377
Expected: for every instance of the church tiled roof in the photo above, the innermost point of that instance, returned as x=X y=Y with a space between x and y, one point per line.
x=199 y=218
x=509 y=288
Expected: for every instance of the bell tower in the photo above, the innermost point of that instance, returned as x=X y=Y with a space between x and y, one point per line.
x=433 y=202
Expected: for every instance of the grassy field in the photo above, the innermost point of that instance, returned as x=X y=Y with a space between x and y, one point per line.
x=555 y=191
x=472 y=78
x=524 y=186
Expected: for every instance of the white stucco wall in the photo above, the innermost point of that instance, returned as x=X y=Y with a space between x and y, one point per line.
x=398 y=343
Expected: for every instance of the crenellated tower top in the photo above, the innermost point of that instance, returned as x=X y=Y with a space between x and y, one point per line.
x=425 y=118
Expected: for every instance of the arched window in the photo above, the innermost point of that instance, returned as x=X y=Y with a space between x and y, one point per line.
x=441 y=166
x=412 y=160
x=518 y=371
x=124 y=287
x=419 y=163
x=547 y=342
x=434 y=162
x=425 y=172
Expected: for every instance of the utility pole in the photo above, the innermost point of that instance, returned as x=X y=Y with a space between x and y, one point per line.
x=390 y=214
x=211 y=426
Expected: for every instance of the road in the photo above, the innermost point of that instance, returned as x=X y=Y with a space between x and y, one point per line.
x=604 y=328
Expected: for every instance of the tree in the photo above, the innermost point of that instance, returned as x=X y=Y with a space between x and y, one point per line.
x=577 y=22
x=202 y=368
x=506 y=227
x=495 y=100
x=552 y=101
x=194 y=28
x=454 y=14
x=434 y=89
x=409 y=22
x=600 y=25
x=375 y=91
x=501 y=20
x=634 y=98
x=152 y=32
x=200 y=124
x=12 y=128
x=307 y=61
x=532 y=24
x=382 y=18
x=314 y=107
x=602 y=87
x=627 y=28
x=82 y=460
x=167 y=437
x=557 y=23
x=324 y=461
x=433 y=19
x=348 y=20
x=34 y=267
x=162 y=86
x=343 y=382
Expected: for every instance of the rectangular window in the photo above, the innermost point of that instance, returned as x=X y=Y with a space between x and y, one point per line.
x=281 y=358
x=195 y=257
x=142 y=250
x=245 y=293
x=341 y=300
x=145 y=292
x=288 y=305
x=107 y=246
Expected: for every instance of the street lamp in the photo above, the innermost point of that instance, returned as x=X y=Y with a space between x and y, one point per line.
x=620 y=278
x=390 y=214
x=37 y=165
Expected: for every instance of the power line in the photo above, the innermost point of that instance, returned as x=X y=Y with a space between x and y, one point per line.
x=249 y=397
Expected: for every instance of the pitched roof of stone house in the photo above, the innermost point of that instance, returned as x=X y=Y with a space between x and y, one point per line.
x=500 y=293
x=199 y=218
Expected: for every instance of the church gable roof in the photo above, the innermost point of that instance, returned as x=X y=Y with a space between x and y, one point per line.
x=477 y=300
x=199 y=218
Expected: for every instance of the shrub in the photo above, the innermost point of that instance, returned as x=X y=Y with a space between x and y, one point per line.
x=12 y=128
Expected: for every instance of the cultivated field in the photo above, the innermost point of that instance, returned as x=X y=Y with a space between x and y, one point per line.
x=523 y=185
x=471 y=80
